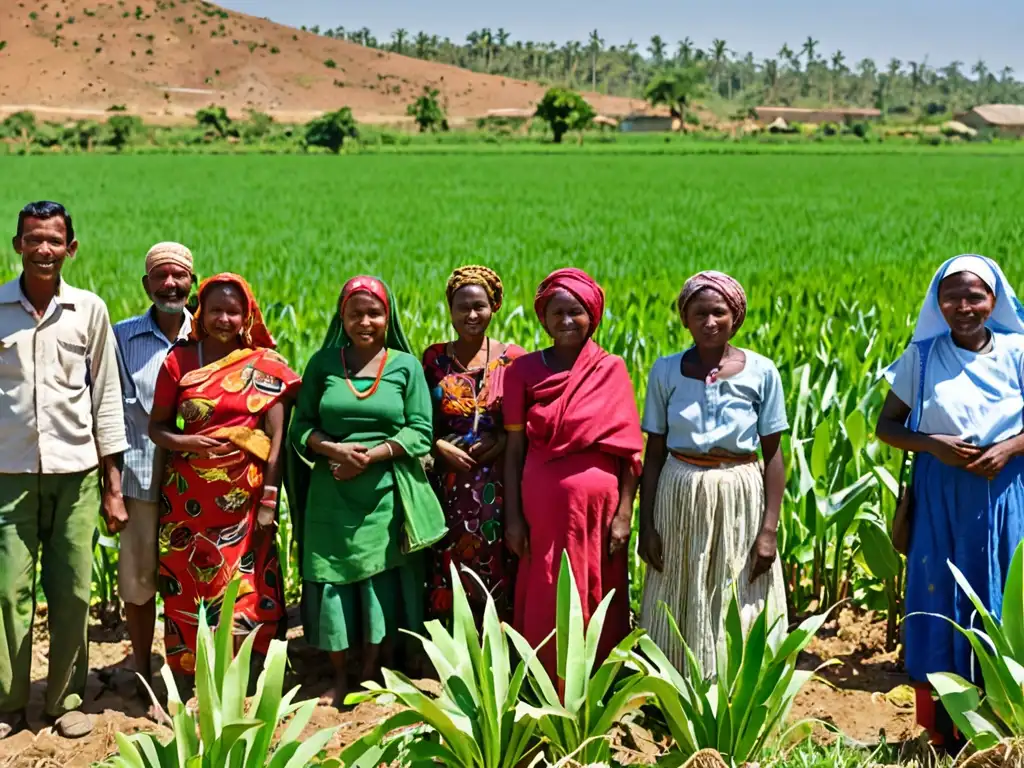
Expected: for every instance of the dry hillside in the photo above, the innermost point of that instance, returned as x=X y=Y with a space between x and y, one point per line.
x=165 y=58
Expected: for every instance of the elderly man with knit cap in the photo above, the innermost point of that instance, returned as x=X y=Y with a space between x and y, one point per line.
x=143 y=343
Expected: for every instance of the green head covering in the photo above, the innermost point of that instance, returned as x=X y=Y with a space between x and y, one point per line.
x=395 y=339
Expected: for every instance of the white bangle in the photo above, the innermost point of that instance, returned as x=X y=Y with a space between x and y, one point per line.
x=391 y=451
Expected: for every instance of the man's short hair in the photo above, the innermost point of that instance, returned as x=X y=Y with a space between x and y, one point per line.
x=45 y=209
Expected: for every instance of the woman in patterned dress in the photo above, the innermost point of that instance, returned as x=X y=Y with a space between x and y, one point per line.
x=220 y=486
x=465 y=378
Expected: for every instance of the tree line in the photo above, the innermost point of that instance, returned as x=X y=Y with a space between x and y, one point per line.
x=803 y=74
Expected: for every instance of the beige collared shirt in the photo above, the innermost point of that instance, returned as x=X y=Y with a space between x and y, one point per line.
x=60 y=393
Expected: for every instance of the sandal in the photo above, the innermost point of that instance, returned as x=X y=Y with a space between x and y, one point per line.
x=73 y=725
x=13 y=727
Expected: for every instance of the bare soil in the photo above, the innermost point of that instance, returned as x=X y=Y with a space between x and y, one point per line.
x=867 y=695
x=864 y=696
x=73 y=59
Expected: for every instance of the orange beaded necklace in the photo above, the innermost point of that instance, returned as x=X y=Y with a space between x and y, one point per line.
x=376 y=382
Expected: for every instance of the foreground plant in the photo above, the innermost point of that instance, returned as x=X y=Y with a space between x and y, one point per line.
x=596 y=697
x=477 y=721
x=741 y=710
x=225 y=731
x=997 y=714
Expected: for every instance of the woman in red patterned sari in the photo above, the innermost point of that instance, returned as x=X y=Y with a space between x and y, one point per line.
x=220 y=486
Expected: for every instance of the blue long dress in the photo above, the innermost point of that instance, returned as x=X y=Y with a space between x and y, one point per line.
x=960 y=517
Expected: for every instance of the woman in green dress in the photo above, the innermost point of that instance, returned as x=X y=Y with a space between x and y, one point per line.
x=364 y=509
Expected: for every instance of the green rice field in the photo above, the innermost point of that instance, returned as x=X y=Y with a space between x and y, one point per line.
x=835 y=252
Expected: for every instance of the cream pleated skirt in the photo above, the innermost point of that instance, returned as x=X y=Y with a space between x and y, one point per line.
x=708 y=520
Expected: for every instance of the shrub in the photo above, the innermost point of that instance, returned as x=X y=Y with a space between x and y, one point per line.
x=331 y=64
x=428 y=112
x=331 y=129
x=215 y=119
x=564 y=110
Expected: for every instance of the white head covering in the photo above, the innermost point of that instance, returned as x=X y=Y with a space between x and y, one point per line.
x=1007 y=316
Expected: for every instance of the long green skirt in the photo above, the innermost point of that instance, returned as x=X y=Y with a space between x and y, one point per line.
x=337 y=617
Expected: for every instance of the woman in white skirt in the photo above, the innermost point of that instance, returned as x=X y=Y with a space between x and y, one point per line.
x=709 y=509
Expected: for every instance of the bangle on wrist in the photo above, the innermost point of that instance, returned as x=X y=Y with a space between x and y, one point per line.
x=391 y=451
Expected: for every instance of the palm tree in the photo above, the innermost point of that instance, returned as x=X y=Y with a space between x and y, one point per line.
x=630 y=55
x=685 y=52
x=917 y=72
x=810 y=46
x=486 y=44
x=398 y=38
x=838 y=68
x=657 y=50
x=980 y=69
x=422 y=45
x=718 y=53
x=771 y=80
x=596 y=45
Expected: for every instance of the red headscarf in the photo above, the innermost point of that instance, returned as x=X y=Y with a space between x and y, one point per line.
x=365 y=284
x=254 y=333
x=579 y=284
x=596 y=405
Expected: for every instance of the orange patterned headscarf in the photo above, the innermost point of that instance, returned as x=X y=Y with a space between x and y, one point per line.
x=254 y=332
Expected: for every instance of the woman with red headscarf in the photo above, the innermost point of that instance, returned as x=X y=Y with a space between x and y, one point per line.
x=572 y=464
x=220 y=487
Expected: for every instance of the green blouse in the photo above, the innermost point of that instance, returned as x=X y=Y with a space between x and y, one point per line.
x=355 y=529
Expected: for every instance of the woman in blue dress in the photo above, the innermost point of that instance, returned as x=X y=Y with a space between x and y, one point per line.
x=956 y=402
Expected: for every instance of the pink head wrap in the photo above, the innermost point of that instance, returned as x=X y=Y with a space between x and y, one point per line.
x=719 y=282
x=579 y=284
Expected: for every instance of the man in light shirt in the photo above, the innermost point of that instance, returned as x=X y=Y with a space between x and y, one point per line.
x=60 y=417
x=143 y=343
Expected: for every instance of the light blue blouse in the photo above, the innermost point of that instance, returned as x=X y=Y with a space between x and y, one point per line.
x=729 y=415
x=976 y=397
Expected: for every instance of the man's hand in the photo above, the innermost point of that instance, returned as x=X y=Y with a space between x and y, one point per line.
x=115 y=515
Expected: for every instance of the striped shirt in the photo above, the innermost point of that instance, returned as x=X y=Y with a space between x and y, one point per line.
x=141 y=347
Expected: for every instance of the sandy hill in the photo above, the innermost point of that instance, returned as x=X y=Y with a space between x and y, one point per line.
x=163 y=59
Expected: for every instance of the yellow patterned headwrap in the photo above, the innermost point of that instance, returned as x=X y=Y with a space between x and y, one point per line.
x=474 y=274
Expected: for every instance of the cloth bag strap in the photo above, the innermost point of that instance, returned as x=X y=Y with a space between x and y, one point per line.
x=924 y=349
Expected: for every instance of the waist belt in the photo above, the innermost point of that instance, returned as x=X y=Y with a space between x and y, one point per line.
x=708 y=461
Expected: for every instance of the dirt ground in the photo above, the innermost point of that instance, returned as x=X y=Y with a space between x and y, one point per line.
x=70 y=59
x=864 y=696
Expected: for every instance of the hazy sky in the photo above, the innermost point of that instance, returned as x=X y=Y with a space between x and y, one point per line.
x=944 y=30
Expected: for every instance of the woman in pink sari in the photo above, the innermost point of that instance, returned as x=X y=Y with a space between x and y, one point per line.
x=572 y=465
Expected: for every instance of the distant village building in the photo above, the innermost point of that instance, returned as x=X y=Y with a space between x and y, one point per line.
x=841 y=115
x=647 y=122
x=1005 y=119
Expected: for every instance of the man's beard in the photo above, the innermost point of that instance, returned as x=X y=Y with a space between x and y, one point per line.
x=170 y=308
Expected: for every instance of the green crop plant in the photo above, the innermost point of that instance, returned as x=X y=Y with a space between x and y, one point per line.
x=226 y=729
x=477 y=721
x=994 y=712
x=741 y=708
x=577 y=718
